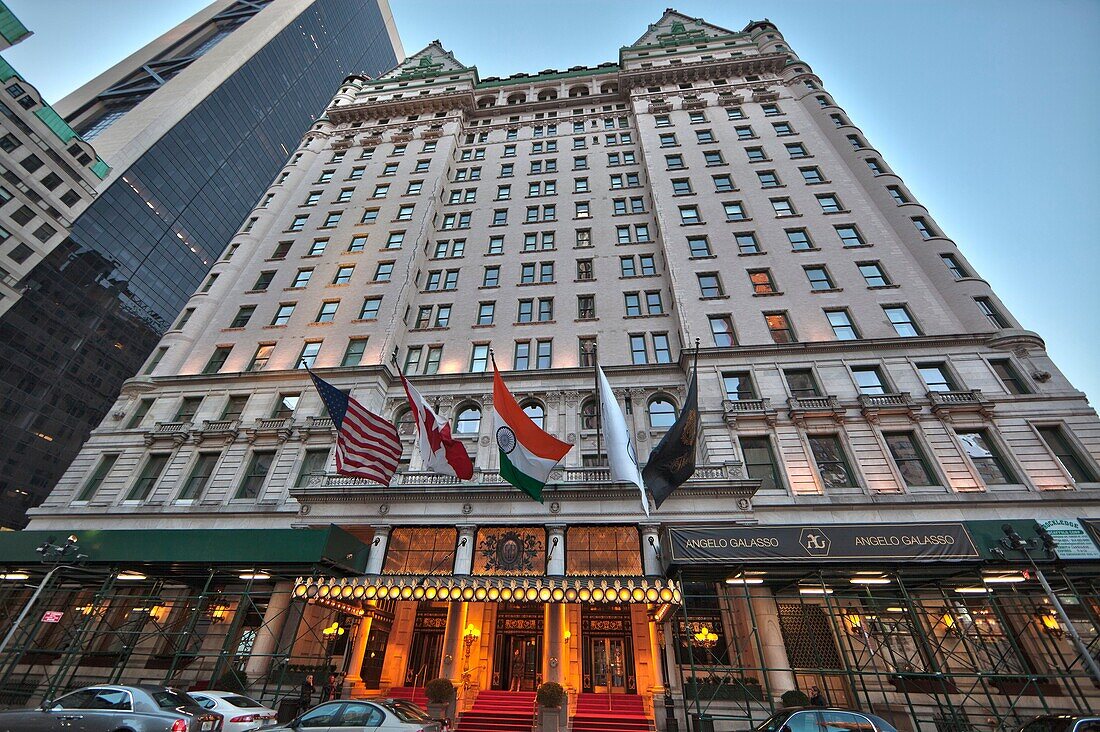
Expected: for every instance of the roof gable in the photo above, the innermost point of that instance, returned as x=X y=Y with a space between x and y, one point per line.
x=675 y=28
x=431 y=61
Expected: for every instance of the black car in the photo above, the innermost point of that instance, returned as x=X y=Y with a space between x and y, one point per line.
x=110 y=707
x=1063 y=723
x=823 y=719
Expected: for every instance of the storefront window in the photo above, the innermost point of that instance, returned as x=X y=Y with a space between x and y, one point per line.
x=603 y=550
x=701 y=634
x=427 y=550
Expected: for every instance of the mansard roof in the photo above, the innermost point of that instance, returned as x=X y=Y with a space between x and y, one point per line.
x=675 y=28
x=432 y=60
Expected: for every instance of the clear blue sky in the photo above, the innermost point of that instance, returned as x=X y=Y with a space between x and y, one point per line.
x=989 y=109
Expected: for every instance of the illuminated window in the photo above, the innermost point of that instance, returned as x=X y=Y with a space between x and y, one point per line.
x=603 y=551
x=420 y=551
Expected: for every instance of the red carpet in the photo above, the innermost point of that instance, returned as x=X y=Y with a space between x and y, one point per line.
x=499 y=711
x=614 y=713
x=415 y=694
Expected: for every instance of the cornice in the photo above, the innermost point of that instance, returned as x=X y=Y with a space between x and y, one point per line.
x=737 y=66
x=408 y=106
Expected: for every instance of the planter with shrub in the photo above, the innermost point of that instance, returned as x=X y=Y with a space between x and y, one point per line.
x=795 y=698
x=553 y=707
x=441 y=698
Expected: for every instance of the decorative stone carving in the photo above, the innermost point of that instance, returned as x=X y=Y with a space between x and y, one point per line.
x=571 y=437
x=572 y=398
x=467 y=509
x=555 y=507
x=383 y=509
x=304 y=510
x=744 y=504
x=641 y=435
x=484 y=440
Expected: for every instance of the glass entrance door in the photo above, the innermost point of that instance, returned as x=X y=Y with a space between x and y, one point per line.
x=424 y=658
x=608 y=664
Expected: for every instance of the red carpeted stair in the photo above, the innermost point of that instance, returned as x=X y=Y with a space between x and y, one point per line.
x=610 y=713
x=499 y=711
x=415 y=694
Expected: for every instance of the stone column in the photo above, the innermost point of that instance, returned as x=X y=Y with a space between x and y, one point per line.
x=552 y=641
x=464 y=553
x=651 y=542
x=451 y=665
x=377 y=553
x=359 y=650
x=775 y=661
x=555 y=552
x=267 y=637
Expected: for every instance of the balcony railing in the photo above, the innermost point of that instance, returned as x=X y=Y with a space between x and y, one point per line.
x=174 y=431
x=946 y=403
x=715 y=475
x=875 y=405
x=748 y=409
x=815 y=406
x=277 y=427
x=225 y=429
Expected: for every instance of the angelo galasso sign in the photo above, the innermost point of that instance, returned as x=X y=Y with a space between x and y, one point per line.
x=705 y=544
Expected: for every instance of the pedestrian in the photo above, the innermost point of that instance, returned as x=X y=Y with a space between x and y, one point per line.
x=816 y=699
x=328 y=691
x=338 y=687
x=516 y=670
x=305 y=694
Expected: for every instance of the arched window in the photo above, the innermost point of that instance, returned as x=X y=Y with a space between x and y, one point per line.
x=406 y=423
x=588 y=414
x=609 y=88
x=578 y=91
x=546 y=94
x=535 y=411
x=662 y=413
x=484 y=102
x=468 y=421
x=517 y=99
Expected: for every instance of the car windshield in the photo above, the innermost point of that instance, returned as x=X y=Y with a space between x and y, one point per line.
x=1049 y=724
x=882 y=724
x=406 y=711
x=172 y=699
x=243 y=702
x=772 y=723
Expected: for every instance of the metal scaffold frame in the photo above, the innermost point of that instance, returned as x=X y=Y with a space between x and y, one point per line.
x=903 y=643
x=187 y=627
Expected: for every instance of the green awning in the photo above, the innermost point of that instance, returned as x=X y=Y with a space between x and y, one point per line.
x=286 y=549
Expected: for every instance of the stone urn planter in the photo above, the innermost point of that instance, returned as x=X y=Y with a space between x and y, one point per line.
x=441 y=699
x=551 y=700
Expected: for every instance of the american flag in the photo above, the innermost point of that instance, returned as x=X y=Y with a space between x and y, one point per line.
x=367 y=446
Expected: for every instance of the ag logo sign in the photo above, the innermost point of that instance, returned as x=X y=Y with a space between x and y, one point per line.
x=815 y=542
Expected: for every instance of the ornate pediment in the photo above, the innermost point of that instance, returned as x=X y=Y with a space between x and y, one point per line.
x=431 y=61
x=675 y=28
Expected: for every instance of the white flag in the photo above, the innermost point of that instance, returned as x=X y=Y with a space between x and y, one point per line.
x=620 y=450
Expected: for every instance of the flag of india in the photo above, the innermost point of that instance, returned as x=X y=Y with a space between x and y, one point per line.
x=527 y=453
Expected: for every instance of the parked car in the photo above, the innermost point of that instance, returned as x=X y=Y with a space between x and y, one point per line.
x=1063 y=723
x=823 y=719
x=241 y=713
x=381 y=715
x=107 y=708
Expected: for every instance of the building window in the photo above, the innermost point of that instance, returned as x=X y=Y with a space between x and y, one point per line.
x=258 y=468
x=1055 y=438
x=829 y=203
x=903 y=322
x=800 y=240
x=699 y=246
x=301 y=278
x=841 y=323
x=353 y=354
x=985 y=305
x=261 y=357
x=954 y=266
x=985 y=457
x=370 y=308
x=1010 y=378
x=586 y=307
x=603 y=551
x=97 y=477
x=479 y=358
x=285 y=406
x=468 y=421
x=746 y=243
x=217 y=360
x=639 y=351
x=936 y=377
x=779 y=325
x=923 y=227
x=768 y=179
x=689 y=215
x=762 y=282
x=313 y=463
x=869 y=380
x=327 y=313
x=138 y=416
x=709 y=284
x=819 y=278
x=910 y=459
x=536 y=412
x=721 y=330
x=811 y=175
x=384 y=271
x=150 y=474
x=850 y=236
x=200 y=475
x=662 y=413
x=832 y=463
x=873 y=274
x=783 y=207
x=283 y=313
x=308 y=354
x=760 y=461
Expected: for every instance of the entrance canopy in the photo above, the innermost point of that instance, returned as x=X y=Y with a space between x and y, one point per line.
x=584 y=590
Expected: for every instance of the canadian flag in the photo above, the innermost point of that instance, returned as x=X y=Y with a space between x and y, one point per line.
x=441 y=452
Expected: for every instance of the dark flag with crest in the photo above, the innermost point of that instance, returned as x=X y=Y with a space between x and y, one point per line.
x=672 y=462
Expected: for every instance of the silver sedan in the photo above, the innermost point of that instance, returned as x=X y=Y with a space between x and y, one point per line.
x=381 y=715
x=107 y=708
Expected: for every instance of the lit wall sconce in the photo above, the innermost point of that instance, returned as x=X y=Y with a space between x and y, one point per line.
x=1049 y=624
x=333 y=631
x=705 y=638
x=854 y=623
x=218 y=613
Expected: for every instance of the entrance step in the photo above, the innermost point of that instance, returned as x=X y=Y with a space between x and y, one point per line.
x=499 y=711
x=416 y=694
x=610 y=713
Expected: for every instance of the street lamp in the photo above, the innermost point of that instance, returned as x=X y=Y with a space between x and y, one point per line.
x=55 y=556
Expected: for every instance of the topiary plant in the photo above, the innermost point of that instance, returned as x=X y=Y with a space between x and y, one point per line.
x=795 y=698
x=551 y=694
x=439 y=691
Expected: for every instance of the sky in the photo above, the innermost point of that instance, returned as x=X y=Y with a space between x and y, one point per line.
x=987 y=109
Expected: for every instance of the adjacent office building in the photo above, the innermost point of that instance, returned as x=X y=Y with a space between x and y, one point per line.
x=870 y=415
x=195 y=124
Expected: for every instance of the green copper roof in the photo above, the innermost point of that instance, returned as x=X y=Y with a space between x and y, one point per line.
x=601 y=69
x=52 y=119
x=11 y=28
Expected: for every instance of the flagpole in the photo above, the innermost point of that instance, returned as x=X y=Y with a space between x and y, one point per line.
x=599 y=408
x=695 y=375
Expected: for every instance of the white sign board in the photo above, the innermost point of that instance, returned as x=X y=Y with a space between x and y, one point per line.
x=1073 y=541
